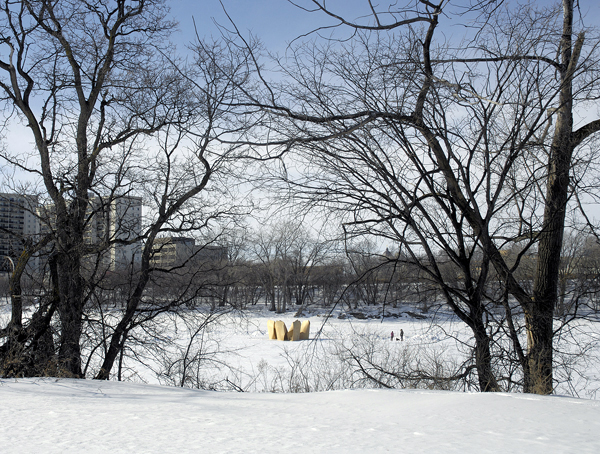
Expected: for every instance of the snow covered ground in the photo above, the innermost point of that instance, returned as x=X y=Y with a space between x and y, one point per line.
x=236 y=353
x=64 y=415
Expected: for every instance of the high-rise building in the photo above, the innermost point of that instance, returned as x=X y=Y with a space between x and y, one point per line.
x=115 y=222
x=18 y=222
x=118 y=222
x=125 y=228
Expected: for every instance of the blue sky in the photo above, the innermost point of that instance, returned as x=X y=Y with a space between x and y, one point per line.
x=277 y=22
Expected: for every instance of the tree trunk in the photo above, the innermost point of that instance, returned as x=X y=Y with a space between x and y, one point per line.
x=483 y=360
x=117 y=340
x=539 y=315
x=71 y=289
x=539 y=352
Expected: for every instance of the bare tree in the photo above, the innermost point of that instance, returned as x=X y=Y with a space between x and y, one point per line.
x=447 y=146
x=113 y=116
x=272 y=245
x=288 y=256
x=183 y=202
x=68 y=75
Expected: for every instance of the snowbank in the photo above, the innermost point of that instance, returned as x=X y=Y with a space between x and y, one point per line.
x=61 y=415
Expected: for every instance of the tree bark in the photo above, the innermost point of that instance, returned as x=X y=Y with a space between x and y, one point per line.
x=539 y=314
x=71 y=288
x=483 y=360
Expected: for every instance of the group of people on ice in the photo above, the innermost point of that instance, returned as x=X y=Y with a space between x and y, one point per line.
x=401 y=336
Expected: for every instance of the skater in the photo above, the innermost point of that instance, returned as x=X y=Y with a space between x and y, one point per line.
x=392 y=336
x=401 y=335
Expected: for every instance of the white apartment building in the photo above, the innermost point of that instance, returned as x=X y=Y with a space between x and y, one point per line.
x=114 y=221
x=110 y=221
x=126 y=225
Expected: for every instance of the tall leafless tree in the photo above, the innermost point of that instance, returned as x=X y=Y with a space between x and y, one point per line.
x=112 y=114
x=454 y=146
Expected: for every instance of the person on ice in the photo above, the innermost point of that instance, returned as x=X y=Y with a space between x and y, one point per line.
x=392 y=336
x=401 y=335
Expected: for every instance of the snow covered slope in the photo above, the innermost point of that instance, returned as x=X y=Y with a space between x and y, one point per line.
x=85 y=416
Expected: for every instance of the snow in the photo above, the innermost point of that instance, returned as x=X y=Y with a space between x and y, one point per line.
x=251 y=362
x=53 y=415
x=65 y=415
